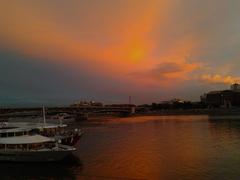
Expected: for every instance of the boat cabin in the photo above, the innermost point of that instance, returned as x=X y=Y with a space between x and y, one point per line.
x=26 y=143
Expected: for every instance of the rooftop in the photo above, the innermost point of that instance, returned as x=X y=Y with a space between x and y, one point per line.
x=6 y=127
x=25 y=139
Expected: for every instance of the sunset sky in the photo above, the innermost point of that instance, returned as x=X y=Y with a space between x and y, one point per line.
x=59 y=51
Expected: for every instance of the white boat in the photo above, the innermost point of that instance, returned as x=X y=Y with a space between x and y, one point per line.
x=56 y=131
x=31 y=148
x=24 y=141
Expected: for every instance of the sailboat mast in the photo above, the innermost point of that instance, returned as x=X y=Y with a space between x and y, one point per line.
x=44 y=116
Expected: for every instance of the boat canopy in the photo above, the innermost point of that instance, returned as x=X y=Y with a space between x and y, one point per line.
x=22 y=126
x=26 y=139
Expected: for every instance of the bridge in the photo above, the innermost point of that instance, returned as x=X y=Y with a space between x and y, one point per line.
x=20 y=112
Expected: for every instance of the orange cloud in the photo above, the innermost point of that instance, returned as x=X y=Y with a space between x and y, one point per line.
x=219 y=79
x=31 y=28
x=116 y=45
x=167 y=73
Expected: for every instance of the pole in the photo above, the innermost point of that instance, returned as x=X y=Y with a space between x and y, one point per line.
x=44 y=116
x=130 y=100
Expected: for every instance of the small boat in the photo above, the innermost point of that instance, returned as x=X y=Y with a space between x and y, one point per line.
x=69 y=137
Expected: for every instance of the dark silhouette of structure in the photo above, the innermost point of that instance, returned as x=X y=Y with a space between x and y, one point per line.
x=225 y=98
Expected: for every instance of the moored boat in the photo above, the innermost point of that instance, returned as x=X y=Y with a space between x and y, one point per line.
x=27 y=141
x=32 y=148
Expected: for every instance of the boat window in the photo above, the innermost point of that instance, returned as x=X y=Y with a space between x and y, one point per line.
x=4 y=135
x=11 y=146
x=36 y=146
x=34 y=131
x=50 y=145
x=23 y=146
x=10 y=134
x=2 y=146
x=18 y=133
x=19 y=146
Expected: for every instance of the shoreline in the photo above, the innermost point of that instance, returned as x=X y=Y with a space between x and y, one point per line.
x=28 y=113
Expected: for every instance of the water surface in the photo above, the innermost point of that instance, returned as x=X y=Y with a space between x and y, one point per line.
x=153 y=147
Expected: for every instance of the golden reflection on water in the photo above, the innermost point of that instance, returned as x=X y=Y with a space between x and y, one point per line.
x=160 y=148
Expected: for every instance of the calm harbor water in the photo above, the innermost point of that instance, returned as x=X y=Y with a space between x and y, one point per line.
x=153 y=147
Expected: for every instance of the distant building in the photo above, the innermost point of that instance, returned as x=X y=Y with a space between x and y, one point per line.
x=176 y=100
x=86 y=103
x=225 y=98
x=173 y=101
x=235 y=87
x=120 y=105
x=132 y=107
x=203 y=98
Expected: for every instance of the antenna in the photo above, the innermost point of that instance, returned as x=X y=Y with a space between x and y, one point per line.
x=130 y=100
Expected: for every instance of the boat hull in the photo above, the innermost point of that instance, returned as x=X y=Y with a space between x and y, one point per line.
x=36 y=156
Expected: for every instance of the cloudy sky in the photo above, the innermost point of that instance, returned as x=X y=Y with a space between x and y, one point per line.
x=58 y=51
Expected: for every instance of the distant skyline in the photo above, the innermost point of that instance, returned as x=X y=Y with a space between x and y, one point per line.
x=57 y=52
